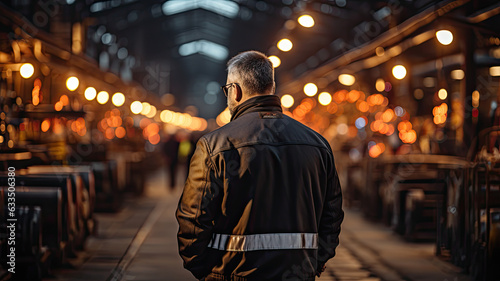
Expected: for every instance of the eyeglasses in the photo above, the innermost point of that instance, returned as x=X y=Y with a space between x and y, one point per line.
x=227 y=86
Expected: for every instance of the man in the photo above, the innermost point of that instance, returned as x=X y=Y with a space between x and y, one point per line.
x=262 y=200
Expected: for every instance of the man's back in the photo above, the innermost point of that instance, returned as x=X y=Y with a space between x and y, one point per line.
x=267 y=180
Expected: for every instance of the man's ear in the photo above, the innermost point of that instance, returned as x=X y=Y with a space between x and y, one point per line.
x=239 y=93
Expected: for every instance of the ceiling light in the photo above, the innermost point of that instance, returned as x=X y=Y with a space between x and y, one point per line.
x=275 y=61
x=287 y=101
x=399 y=72
x=225 y=8
x=495 y=71
x=444 y=37
x=90 y=93
x=136 y=107
x=72 y=83
x=325 y=98
x=102 y=97
x=285 y=45
x=27 y=70
x=118 y=99
x=206 y=48
x=347 y=79
x=306 y=21
x=310 y=89
x=442 y=94
x=457 y=74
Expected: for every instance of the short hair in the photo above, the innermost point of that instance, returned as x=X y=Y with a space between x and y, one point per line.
x=255 y=70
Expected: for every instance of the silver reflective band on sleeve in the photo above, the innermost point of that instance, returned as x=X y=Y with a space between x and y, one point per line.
x=268 y=241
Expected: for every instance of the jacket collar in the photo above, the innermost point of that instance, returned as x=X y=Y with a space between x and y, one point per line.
x=257 y=104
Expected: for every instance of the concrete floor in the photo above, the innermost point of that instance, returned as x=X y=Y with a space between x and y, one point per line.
x=139 y=243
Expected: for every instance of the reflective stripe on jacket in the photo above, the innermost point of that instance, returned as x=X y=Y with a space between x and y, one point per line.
x=268 y=241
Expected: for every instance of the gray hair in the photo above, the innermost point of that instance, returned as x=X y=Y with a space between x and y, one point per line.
x=255 y=70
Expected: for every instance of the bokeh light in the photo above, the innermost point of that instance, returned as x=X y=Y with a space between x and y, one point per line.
x=102 y=97
x=275 y=61
x=310 y=89
x=285 y=45
x=347 y=79
x=118 y=99
x=399 y=72
x=306 y=21
x=72 y=83
x=287 y=101
x=325 y=98
x=136 y=107
x=444 y=37
x=27 y=70
x=90 y=93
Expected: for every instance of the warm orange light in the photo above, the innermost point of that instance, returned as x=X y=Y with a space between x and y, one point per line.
x=376 y=125
x=306 y=21
x=152 y=129
x=390 y=130
x=166 y=116
x=275 y=61
x=285 y=45
x=154 y=139
x=384 y=129
x=144 y=123
x=362 y=106
x=325 y=98
x=340 y=96
x=332 y=108
x=120 y=132
x=353 y=96
x=380 y=85
x=116 y=121
x=45 y=125
x=110 y=133
x=404 y=126
x=440 y=113
x=376 y=150
x=287 y=101
x=72 y=83
x=64 y=100
x=375 y=99
x=411 y=136
x=58 y=106
x=347 y=79
x=388 y=115
x=352 y=131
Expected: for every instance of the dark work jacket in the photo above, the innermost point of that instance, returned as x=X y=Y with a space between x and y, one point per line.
x=260 y=190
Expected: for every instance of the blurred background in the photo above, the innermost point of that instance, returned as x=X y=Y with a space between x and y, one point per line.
x=98 y=96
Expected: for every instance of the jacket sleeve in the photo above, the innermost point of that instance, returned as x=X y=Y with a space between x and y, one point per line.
x=196 y=212
x=331 y=218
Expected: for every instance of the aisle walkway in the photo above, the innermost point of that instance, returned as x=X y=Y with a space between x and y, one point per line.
x=139 y=243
